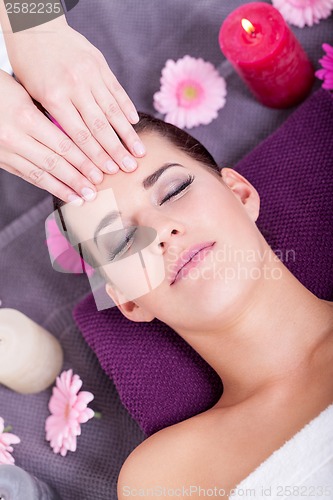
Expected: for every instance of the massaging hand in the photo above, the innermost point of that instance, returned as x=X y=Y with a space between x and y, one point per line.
x=71 y=79
x=35 y=149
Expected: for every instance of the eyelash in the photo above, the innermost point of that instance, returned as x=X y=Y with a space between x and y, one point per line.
x=124 y=246
x=179 y=189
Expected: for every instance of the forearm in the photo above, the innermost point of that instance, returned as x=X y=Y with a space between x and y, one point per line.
x=15 y=38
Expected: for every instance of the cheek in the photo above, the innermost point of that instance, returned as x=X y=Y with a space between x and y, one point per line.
x=137 y=275
x=215 y=211
x=128 y=276
x=228 y=216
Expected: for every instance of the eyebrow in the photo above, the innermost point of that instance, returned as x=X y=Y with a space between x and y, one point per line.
x=147 y=183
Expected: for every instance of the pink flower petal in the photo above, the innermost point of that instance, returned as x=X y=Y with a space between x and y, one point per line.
x=68 y=407
x=304 y=12
x=328 y=49
x=6 y=440
x=86 y=415
x=6 y=458
x=326 y=72
x=191 y=93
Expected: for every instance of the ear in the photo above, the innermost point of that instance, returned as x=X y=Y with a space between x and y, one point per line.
x=131 y=310
x=243 y=190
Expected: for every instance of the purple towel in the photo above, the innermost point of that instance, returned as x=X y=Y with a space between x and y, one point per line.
x=161 y=380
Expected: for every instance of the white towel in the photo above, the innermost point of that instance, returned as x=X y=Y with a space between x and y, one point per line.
x=302 y=469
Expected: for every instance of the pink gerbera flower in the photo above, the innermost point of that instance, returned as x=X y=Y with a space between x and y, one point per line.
x=304 y=12
x=326 y=73
x=69 y=409
x=61 y=251
x=6 y=440
x=192 y=92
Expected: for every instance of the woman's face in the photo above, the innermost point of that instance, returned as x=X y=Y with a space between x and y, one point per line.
x=197 y=230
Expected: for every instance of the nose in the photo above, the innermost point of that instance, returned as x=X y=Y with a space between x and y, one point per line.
x=168 y=229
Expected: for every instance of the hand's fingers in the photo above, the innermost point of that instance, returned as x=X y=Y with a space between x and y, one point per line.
x=71 y=121
x=104 y=133
x=32 y=174
x=119 y=93
x=52 y=137
x=43 y=158
x=118 y=121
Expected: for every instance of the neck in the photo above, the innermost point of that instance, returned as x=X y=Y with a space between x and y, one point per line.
x=274 y=336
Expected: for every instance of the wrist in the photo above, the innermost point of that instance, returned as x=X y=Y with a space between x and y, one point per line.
x=53 y=25
x=17 y=41
x=16 y=18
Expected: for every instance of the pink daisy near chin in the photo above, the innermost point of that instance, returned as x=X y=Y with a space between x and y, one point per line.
x=191 y=93
x=68 y=409
x=304 y=12
x=6 y=440
x=326 y=72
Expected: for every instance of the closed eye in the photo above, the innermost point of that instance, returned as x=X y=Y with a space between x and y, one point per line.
x=178 y=190
x=124 y=246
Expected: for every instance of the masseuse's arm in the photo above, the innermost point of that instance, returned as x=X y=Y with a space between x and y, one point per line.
x=63 y=71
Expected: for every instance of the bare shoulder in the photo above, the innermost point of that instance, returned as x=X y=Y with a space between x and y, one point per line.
x=217 y=448
x=173 y=459
x=161 y=461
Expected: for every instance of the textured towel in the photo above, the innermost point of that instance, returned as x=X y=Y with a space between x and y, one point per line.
x=301 y=468
x=160 y=379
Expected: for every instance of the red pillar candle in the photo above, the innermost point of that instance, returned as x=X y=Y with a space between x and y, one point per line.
x=266 y=54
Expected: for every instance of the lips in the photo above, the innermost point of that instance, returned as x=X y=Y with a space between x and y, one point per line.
x=186 y=260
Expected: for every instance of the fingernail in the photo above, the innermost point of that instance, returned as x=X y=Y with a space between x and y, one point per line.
x=96 y=176
x=139 y=148
x=88 y=194
x=75 y=199
x=112 y=167
x=134 y=117
x=129 y=163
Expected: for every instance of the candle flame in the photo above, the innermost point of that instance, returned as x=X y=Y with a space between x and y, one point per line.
x=248 y=26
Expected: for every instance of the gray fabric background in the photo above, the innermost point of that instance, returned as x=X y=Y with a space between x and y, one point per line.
x=136 y=37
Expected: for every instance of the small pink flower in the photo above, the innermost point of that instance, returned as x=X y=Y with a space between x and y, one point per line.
x=6 y=440
x=304 y=12
x=69 y=409
x=326 y=73
x=192 y=92
x=62 y=252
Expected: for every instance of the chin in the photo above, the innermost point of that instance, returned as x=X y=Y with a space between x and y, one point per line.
x=211 y=303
